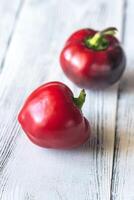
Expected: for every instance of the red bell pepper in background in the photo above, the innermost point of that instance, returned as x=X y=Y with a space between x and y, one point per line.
x=93 y=59
x=51 y=117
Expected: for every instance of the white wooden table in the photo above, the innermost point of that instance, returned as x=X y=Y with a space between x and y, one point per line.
x=32 y=33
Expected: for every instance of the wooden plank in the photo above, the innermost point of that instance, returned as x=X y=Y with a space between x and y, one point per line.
x=123 y=174
x=29 y=172
x=9 y=13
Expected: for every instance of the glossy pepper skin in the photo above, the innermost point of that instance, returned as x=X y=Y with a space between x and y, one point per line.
x=93 y=59
x=51 y=117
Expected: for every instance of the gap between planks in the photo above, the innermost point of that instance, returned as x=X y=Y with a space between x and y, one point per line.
x=119 y=90
x=16 y=18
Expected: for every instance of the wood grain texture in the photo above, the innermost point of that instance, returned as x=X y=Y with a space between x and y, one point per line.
x=123 y=174
x=9 y=13
x=30 y=172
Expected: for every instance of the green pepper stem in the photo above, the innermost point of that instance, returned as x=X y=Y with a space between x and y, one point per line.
x=79 y=101
x=98 y=41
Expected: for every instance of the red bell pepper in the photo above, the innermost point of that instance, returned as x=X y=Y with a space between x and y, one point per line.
x=51 y=117
x=93 y=59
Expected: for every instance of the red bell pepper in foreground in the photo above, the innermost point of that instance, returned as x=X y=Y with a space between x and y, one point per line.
x=93 y=59
x=51 y=117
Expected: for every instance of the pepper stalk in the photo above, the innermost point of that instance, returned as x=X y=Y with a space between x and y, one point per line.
x=98 y=41
x=79 y=101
